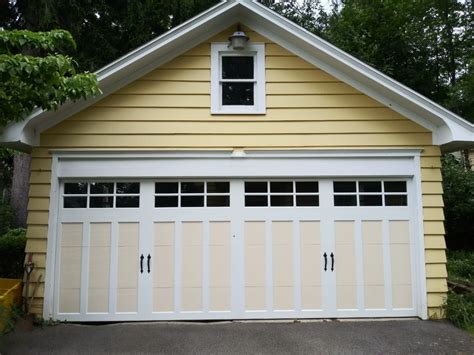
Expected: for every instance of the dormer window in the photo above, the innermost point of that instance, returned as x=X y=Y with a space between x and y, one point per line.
x=238 y=80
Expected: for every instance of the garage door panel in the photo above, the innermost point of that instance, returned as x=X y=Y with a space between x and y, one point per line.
x=310 y=265
x=163 y=299
x=191 y=299
x=127 y=267
x=373 y=261
x=71 y=234
x=345 y=264
x=282 y=253
x=311 y=297
x=164 y=233
x=346 y=297
x=402 y=296
x=127 y=299
x=255 y=298
x=69 y=300
x=192 y=266
x=127 y=274
x=219 y=254
x=98 y=300
x=374 y=296
x=255 y=265
x=283 y=298
x=70 y=276
x=219 y=299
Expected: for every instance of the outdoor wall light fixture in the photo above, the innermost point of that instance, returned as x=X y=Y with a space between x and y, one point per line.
x=238 y=40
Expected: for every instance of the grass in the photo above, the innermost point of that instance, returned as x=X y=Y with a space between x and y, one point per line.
x=460 y=306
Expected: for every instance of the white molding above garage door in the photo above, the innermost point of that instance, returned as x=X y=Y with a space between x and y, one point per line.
x=87 y=165
x=237 y=163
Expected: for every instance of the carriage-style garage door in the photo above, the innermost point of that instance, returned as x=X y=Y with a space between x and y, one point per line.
x=152 y=249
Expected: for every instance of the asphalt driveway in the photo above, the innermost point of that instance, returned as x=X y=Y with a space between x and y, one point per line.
x=324 y=337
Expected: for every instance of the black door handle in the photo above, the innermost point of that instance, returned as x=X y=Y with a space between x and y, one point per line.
x=332 y=261
x=141 y=263
x=148 y=258
x=325 y=261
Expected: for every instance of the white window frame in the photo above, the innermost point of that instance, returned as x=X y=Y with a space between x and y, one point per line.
x=257 y=50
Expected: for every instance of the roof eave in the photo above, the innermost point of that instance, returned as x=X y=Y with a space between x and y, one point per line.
x=446 y=126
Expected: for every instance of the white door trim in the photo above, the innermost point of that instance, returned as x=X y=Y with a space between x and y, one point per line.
x=234 y=164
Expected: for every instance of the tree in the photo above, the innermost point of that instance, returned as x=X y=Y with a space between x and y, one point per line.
x=33 y=74
x=44 y=80
x=426 y=45
x=104 y=29
x=308 y=14
x=458 y=186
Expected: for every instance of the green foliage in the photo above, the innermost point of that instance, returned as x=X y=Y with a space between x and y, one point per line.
x=461 y=266
x=461 y=98
x=6 y=217
x=104 y=30
x=6 y=172
x=20 y=40
x=46 y=82
x=12 y=253
x=8 y=318
x=426 y=45
x=309 y=14
x=460 y=309
x=458 y=186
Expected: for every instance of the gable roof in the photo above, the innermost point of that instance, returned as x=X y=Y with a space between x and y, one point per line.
x=450 y=131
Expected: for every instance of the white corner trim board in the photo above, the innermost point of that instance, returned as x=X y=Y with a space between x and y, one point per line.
x=169 y=235
x=450 y=131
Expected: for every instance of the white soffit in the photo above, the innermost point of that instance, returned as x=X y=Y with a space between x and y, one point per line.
x=449 y=130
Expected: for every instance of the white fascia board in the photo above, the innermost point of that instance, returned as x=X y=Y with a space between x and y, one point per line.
x=359 y=75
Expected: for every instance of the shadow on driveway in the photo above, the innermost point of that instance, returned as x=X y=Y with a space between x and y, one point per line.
x=325 y=337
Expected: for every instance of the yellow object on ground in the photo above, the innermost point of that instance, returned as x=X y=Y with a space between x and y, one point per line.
x=10 y=296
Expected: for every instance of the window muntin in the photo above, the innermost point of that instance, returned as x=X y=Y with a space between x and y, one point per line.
x=281 y=193
x=101 y=195
x=192 y=194
x=238 y=79
x=370 y=193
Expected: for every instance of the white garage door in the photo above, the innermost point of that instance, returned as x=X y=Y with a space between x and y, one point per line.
x=234 y=249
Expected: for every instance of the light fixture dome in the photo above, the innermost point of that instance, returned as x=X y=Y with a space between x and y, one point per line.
x=238 y=40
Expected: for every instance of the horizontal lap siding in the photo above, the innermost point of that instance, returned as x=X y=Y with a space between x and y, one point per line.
x=169 y=108
x=435 y=245
x=38 y=213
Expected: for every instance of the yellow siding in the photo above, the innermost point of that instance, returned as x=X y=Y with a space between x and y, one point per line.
x=169 y=108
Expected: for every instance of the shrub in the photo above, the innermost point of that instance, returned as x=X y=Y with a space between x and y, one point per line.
x=6 y=217
x=460 y=309
x=461 y=266
x=12 y=253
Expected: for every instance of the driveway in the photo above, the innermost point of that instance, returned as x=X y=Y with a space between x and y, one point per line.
x=324 y=337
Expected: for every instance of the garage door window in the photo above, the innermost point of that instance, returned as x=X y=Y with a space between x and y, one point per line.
x=192 y=194
x=281 y=193
x=101 y=195
x=370 y=193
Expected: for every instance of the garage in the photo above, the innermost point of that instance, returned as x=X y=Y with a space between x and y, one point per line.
x=316 y=245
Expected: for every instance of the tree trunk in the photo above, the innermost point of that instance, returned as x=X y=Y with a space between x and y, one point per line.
x=19 y=192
